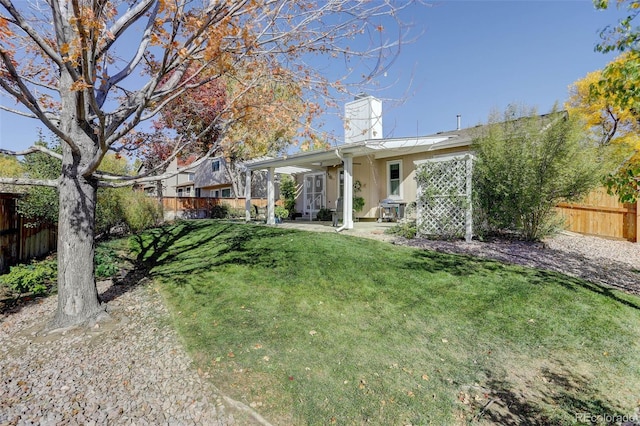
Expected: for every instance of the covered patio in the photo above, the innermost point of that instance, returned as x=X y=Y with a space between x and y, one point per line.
x=373 y=230
x=367 y=152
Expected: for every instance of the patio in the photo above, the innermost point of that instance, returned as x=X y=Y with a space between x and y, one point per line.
x=367 y=229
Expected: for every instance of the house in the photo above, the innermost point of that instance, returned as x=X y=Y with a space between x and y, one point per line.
x=383 y=168
x=179 y=185
x=213 y=178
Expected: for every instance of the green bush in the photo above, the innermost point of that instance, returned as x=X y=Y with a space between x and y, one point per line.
x=219 y=211
x=324 y=214
x=140 y=211
x=406 y=229
x=106 y=260
x=527 y=163
x=110 y=209
x=281 y=212
x=36 y=277
x=288 y=193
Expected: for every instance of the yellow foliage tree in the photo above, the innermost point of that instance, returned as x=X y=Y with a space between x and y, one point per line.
x=10 y=166
x=604 y=112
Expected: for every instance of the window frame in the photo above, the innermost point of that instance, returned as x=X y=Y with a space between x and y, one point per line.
x=389 y=180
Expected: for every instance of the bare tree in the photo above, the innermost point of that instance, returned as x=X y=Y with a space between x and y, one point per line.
x=91 y=71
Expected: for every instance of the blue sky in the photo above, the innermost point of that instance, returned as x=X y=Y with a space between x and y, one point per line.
x=472 y=58
x=478 y=56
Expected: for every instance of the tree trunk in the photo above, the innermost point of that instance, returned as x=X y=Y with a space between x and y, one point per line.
x=78 y=300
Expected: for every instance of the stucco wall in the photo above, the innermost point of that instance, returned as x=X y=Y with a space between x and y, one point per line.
x=372 y=174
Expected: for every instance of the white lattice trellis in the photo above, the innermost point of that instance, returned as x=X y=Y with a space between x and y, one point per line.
x=444 y=197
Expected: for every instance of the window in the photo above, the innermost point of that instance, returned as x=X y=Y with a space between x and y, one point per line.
x=215 y=166
x=180 y=192
x=187 y=191
x=341 y=184
x=191 y=177
x=394 y=179
x=198 y=193
x=225 y=193
x=215 y=193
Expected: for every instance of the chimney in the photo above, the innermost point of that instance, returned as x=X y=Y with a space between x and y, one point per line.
x=459 y=121
x=363 y=119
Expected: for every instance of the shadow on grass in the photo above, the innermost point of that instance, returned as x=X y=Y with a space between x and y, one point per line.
x=464 y=265
x=225 y=244
x=563 y=396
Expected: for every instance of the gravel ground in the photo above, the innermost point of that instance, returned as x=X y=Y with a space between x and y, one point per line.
x=133 y=369
x=611 y=263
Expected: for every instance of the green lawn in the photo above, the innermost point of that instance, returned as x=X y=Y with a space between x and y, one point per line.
x=322 y=328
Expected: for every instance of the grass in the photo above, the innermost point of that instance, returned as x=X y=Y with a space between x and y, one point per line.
x=314 y=328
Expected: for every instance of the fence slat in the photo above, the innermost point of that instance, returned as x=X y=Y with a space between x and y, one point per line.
x=603 y=215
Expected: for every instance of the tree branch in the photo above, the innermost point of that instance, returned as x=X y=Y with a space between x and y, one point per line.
x=33 y=34
x=31 y=150
x=29 y=182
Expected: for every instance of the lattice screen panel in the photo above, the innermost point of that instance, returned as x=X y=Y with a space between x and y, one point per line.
x=444 y=197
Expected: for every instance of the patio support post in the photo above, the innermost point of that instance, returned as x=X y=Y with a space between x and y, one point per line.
x=347 y=202
x=468 y=234
x=271 y=218
x=247 y=196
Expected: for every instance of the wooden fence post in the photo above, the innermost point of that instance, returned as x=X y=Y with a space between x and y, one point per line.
x=637 y=221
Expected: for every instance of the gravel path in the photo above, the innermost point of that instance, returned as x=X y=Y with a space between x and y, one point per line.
x=611 y=263
x=133 y=370
x=128 y=371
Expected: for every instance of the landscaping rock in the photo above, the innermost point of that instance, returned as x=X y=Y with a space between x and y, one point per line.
x=131 y=371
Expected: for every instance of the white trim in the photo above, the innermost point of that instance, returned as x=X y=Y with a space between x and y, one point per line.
x=446 y=157
x=388 y=180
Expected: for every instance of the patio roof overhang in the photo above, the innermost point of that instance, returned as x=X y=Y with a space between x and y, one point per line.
x=304 y=162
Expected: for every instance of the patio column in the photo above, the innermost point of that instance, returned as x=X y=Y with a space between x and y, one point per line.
x=347 y=202
x=468 y=220
x=247 y=196
x=271 y=218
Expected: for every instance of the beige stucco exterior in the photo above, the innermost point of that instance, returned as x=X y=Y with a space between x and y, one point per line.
x=372 y=173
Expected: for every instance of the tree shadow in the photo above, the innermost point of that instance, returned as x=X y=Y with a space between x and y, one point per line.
x=465 y=265
x=14 y=304
x=181 y=244
x=558 y=396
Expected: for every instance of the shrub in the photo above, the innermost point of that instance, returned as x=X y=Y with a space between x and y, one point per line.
x=527 y=164
x=110 y=209
x=406 y=229
x=281 y=212
x=106 y=262
x=219 y=211
x=324 y=214
x=140 y=211
x=288 y=193
x=35 y=277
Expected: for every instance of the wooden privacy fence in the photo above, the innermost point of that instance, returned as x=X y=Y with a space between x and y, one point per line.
x=602 y=215
x=19 y=241
x=199 y=207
